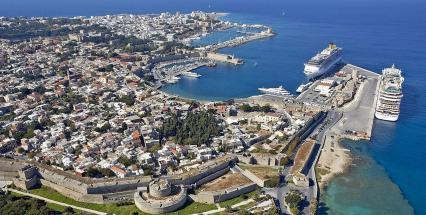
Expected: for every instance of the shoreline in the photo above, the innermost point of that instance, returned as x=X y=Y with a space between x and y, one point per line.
x=335 y=160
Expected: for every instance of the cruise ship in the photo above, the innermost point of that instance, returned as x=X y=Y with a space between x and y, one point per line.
x=279 y=91
x=323 y=61
x=390 y=94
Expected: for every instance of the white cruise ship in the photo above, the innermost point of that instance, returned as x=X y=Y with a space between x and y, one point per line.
x=279 y=91
x=390 y=94
x=323 y=61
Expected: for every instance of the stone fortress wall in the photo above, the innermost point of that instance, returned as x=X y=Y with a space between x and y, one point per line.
x=212 y=197
x=102 y=191
x=158 y=207
x=9 y=169
x=202 y=174
x=260 y=182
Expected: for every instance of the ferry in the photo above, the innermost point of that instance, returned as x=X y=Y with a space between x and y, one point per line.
x=303 y=87
x=390 y=94
x=323 y=61
x=279 y=91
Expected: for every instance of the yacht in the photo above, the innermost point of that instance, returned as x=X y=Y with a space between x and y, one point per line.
x=279 y=91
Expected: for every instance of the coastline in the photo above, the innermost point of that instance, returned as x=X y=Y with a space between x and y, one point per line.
x=335 y=159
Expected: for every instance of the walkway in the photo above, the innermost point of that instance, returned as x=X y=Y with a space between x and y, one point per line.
x=220 y=209
x=56 y=202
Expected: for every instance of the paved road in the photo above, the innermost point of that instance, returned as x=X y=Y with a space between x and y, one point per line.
x=311 y=192
x=56 y=202
x=359 y=113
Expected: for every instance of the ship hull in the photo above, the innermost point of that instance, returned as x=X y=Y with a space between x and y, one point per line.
x=386 y=117
x=312 y=71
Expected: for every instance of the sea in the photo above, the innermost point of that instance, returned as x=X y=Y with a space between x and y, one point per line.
x=388 y=175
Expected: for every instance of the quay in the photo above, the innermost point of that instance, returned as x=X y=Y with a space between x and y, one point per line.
x=358 y=115
x=360 y=95
x=238 y=41
x=224 y=58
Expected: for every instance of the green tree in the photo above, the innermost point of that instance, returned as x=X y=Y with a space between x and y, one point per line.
x=125 y=160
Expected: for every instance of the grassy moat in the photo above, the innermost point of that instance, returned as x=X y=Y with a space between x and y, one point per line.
x=127 y=209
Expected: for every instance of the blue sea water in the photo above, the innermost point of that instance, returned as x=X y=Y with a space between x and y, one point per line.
x=388 y=176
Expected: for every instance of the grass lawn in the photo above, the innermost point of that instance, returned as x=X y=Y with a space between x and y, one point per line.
x=190 y=208
x=56 y=207
x=238 y=199
x=108 y=208
x=194 y=207
x=52 y=206
x=263 y=172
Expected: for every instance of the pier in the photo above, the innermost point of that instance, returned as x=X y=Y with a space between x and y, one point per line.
x=238 y=41
x=356 y=100
x=358 y=115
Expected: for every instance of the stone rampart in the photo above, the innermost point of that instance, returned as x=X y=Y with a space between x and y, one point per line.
x=28 y=172
x=213 y=176
x=9 y=169
x=97 y=199
x=260 y=182
x=158 y=207
x=114 y=189
x=212 y=197
x=204 y=170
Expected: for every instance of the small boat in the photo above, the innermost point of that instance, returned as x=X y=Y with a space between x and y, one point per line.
x=303 y=87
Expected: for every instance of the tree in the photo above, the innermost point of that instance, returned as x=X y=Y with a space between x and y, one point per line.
x=69 y=210
x=128 y=99
x=20 y=150
x=197 y=128
x=266 y=108
x=293 y=200
x=107 y=172
x=20 y=205
x=104 y=128
x=125 y=160
x=284 y=161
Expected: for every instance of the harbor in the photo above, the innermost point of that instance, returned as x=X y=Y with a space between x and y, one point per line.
x=170 y=71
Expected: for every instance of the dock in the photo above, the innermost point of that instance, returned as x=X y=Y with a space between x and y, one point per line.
x=358 y=115
x=224 y=58
x=358 y=110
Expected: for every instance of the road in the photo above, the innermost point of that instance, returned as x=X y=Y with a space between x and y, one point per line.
x=56 y=202
x=311 y=192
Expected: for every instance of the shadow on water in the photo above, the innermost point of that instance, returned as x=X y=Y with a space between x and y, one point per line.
x=322 y=209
